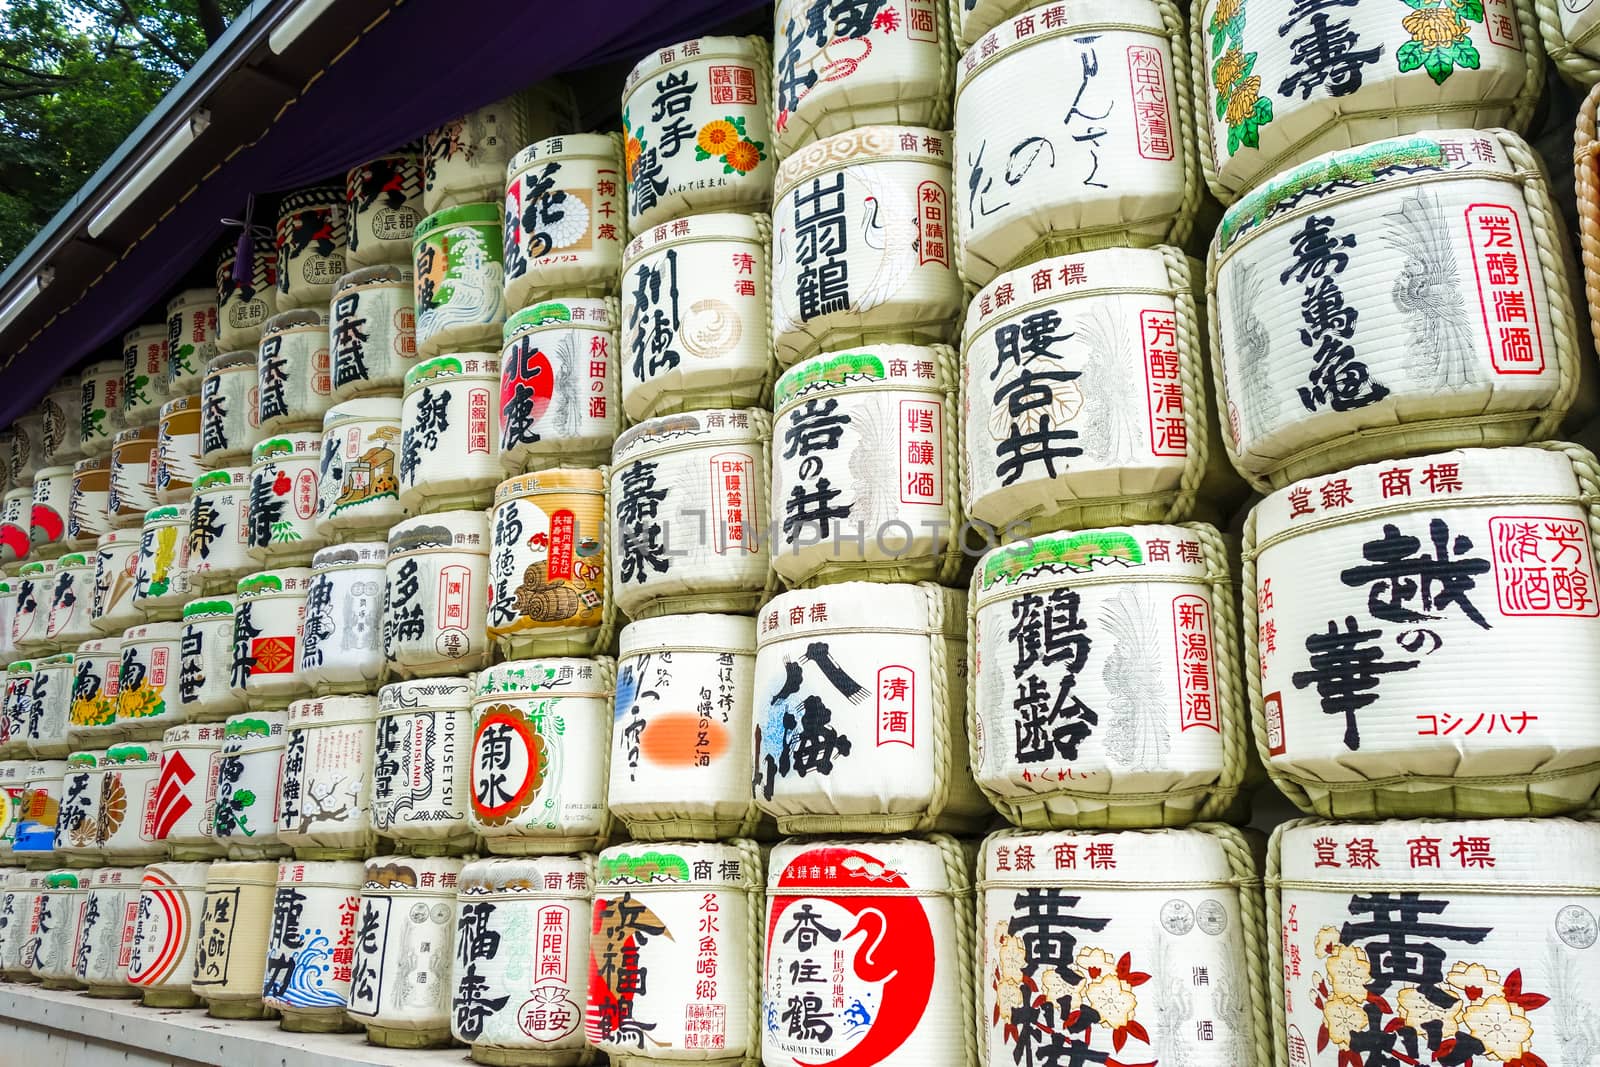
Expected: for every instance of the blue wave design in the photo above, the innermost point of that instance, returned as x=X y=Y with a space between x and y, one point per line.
x=309 y=986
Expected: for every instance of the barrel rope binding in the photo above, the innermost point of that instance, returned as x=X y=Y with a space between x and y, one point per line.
x=1191 y=379
x=1587 y=182
x=1569 y=57
x=936 y=600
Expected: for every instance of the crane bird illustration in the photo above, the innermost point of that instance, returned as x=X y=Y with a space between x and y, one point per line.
x=1428 y=291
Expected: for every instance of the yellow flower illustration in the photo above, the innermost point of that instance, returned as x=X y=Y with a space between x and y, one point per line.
x=140 y=701
x=743 y=157
x=1094 y=962
x=1501 y=1026
x=1342 y=1014
x=632 y=154
x=1348 y=971
x=1242 y=102
x=1474 y=982
x=1435 y=27
x=1417 y=1010
x=1229 y=67
x=1225 y=11
x=717 y=136
x=1326 y=942
x=1112 y=999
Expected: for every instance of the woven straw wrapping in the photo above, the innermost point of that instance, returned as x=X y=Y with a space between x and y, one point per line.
x=464 y=161
x=1574 y=57
x=1586 y=176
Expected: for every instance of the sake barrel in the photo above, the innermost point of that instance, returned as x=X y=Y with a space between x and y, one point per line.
x=248 y=298
x=116 y=566
x=148 y=698
x=358 y=486
x=230 y=952
x=16 y=509
x=62 y=419
x=421 y=775
x=13 y=802
x=54 y=929
x=680 y=757
x=541 y=732
x=281 y=511
x=186 y=791
x=106 y=931
x=205 y=659
x=7 y=453
x=861 y=242
x=326 y=810
x=41 y=809
x=27 y=447
x=166 y=933
x=72 y=600
x=88 y=502
x=1346 y=372
x=178 y=449
x=162 y=582
x=96 y=687
x=191 y=339
x=144 y=374
x=1483 y=555
x=1083 y=397
x=294 y=378
x=1112 y=164
x=449 y=447
x=511 y=1005
x=100 y=418
x=248 y=784
x=129 y=805
x=219 y=529
x=1408 y=935
x=17 y=908
x=547 y=577
x=230 y=408
x=847 y=68
x=31 y=619
x=1106 y=689
x=460 y=281
x=8 y=610
x=563 y=224
x=1258 y=73
x=688 y=513
x=839 y=416
x=432 y=623
x=695 y=327
x=79 y=793
x=383 y=201
x=400 y=981
x=558 y=385
x=372 y=330
x=18 y=703
x=703 y=996
x=268 y=628
x=50 y=706
x=911 y=897
x=314 y=909
x=47 y=522
x=310 y=241
x=342 y=647
x=697 y=118
x=465 y=159
x=1158 y=933
x=133 y=477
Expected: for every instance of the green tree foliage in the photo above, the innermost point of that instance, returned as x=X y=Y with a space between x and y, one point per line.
x=76 y=76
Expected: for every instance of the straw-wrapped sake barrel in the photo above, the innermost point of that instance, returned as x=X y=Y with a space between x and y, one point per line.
x=230 y=953
x=268 y=631
x=50 y=705
x=1106 y=687
x=18 y=704
x=460 y=281
x=282 y=510
x=116 y=565
x=1422 y=938
x=547 y=576
x=342 y=647
x=52 y=954
x=862 y=242
x=144 y=374
x=563 y=218
x=383 y=198
x=372 y=330
x=129 y=804
x=310 y=241
x=41 y=809
x=695 y=325
x=88 y=503
x=48 y=510
x=16 y=910
x=230 y=408
x=558 y=385
x=464 y=161
x=101 y=419
x=688 y=513
x=513 y=1005
x=166 y=933
x=433 y=621
x=860 y=691
x=162 y=581
x=13 y=799
x=178 y=448
x=134 y=457
x=400 y=979
x=326 y=806
x=1423 y=296
x=249 y=780
x=186 y=792
x=680 y=752
x=71 y=600
x=1152 y=940
x=541 y=734
x=27 y=447
x=191 y=339
x=421 y=769
x=1108 y=156
x=244 y=305
x=79 y=792
x=1423 y=634
x=358 y=486
x=205 y=660
x=219 y=529
x=97 y=670
x=148 y=700
x=15 y=539
x=688 y=916
x=908 y=980
x=61 y=421
x=449 y=444
x=106 y=931
x=314 y=909
x=294 y=374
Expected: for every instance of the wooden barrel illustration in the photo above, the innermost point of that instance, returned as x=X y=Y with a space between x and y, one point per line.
x=680 y=753
x=449 y=444
x=31 y=619
x=342 y=641
x=191 y=339
x=36 y=837
x=310 y=239
x=697 y=124
x=88 y=503
x=96 y=685
x=911 y=899
x=20 y=903
x=541 y=731
x=688 y=916
x=219 y=529
x=205 y=659
x=433 y=621
x=249 y=781
x=166 y=933
x=129 y=776
x=178 y=448
x=558 y=385
x=512 y=1005
x=372 y=330
x=18 y=699
x=230 y=408
x=55 y=921
x=358 y=485
x=144 y=374
x=860 y=710
x=564 y=223
x=15 y=540
x=315 y=906
x=400 y=985
x=79 y=793
x=464 y=161
x=383 y=204
x=1492 y=948
x=116 y=564
x=50 y=706
x=147 y=685
x=71 y=600
x=48 y=510
x=186 y=791
x=294 y=372
x=1469 y=339
x=688 y=513
x=104 y=939
x=268 y=631
x=244 y=306
x=133 y=477
x=547 y=576
x=1367 y=592
x=162 y=581
x=281 y=513
x=1153 y=913
x=421 y=769
x=862 y=244
x=1112 y=161
x=27 y=447
x=460 y=281
x=230 y=954
x=61 y=420
x=695 y=327
x=326 y=806
x=101 y=416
